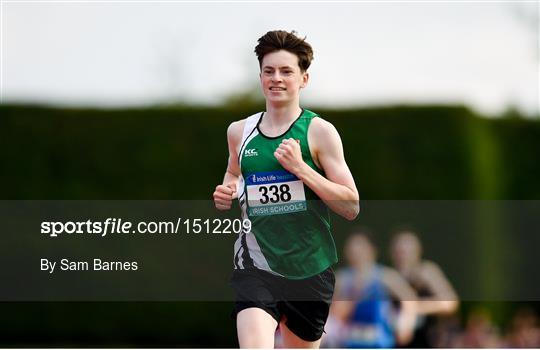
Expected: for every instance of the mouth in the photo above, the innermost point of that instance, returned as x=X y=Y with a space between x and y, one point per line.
x=277 y=89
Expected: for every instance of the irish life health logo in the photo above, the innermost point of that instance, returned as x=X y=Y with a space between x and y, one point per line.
x=251 y=152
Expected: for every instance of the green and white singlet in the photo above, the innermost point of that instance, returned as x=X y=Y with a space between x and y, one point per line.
x=290 y=225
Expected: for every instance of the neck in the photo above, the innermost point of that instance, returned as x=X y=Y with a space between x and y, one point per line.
x=364 y=267
x=285 y=114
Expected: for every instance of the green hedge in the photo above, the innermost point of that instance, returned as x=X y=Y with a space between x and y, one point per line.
x=394 y=153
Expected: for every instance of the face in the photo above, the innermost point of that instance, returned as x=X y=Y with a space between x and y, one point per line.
x=405 y=249
x=359 y=250
x=281 y=77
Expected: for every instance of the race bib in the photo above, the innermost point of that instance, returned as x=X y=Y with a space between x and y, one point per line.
x=274 y=192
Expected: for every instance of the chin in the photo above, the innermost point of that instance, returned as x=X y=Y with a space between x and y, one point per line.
x=276 y=99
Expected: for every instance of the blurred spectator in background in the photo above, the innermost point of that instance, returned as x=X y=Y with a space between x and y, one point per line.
x=362 y=313
x=524 y=331
x=445 y=331
x=480 y=332
x=436 y=296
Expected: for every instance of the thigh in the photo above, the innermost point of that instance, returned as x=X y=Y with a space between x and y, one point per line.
x=306 y=312
x=305 y=319
x=257 y=315
x=291 y=340
x=254 y=289
x=256 y=328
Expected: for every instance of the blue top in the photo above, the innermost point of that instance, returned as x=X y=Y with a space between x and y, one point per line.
x=371 y=322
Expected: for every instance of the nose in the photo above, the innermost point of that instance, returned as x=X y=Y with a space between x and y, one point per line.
x=275 y=76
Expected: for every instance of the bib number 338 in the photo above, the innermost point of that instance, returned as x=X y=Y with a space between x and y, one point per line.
x=275 y=194
x=272 y=193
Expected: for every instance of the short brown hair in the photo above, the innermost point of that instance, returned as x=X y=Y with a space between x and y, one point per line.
x=282 y=40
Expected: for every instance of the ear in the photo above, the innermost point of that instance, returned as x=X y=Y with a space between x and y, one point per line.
x=305 y=79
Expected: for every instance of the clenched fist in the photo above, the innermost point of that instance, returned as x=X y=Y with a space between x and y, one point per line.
x=224 y=195
x=289 y=155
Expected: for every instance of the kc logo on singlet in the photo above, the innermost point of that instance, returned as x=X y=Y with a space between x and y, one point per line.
x=251 y=152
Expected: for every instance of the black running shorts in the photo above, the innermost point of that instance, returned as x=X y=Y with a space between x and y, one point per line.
x=304 y=303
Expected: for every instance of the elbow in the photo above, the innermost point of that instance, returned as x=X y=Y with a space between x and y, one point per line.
x=450 y=307
x=353 y=211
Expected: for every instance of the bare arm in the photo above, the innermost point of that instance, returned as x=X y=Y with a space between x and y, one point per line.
x=226 y=192
x=400 y=289
x=444 y=299
x=337 y=189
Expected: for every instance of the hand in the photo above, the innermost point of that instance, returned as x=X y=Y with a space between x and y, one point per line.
x=223 y=196
x=289 y=155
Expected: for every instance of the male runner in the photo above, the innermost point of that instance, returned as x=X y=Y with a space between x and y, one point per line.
x=286 y=166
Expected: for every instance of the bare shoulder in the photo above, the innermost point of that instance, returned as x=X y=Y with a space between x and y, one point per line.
x=322 y=127
x=397 y=285
x=390 y=274
x=323 y=136
x=236 y=127
x=235 y=130
x=428 y=269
